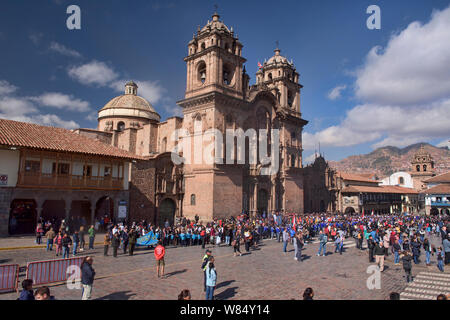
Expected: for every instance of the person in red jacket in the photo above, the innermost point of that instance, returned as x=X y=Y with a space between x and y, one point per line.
x=159 y=252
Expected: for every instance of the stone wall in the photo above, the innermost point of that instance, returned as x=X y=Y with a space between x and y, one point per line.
x=5 y=203
x=142 y=191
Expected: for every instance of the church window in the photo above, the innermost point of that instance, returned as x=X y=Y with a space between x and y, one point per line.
x=424 y=167
x=418 y=168
x=164 y=145
x=401 y=180
x=198 y=124
x=120 y=126
x=293 y=160
x=270 y=76
x=192 y=199
x=203 y=46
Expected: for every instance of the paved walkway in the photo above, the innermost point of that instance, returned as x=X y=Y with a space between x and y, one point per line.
x=265 y=273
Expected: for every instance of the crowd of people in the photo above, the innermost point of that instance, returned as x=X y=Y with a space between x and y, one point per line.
x=404 y=237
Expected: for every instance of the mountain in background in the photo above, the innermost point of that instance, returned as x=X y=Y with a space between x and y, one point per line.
x=387 y=160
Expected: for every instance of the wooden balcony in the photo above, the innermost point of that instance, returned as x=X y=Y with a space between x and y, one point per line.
x=51 y=181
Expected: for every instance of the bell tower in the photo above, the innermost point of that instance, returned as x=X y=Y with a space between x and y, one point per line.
x=280 y=75
x=422 y=168
x=214 y=61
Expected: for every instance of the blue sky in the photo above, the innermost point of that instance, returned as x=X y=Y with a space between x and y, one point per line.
x=395 y=95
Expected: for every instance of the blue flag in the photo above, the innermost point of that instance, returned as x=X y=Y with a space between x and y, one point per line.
x=148 y=240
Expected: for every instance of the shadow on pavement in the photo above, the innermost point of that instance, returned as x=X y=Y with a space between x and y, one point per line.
x=167 y=275
x=121 y=295
x=305 y=257
x=224 y=284
x=227 y=294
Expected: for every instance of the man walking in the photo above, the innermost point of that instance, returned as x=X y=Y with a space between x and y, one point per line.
x=87 y=277
x=379 y=255
x=66 y=242
x=132 y=238
x=50 y=236
x=160 y=252
x=91 y=233
x=322 y=244
x=115 y=243
x=106 y=243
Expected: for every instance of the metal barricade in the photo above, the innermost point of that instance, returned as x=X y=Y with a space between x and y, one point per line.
x=9 y=277
x=44 y=272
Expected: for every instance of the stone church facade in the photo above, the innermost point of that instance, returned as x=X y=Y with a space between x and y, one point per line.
x=218 y=97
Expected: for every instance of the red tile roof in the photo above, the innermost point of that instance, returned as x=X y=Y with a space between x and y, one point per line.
x=355 y=177
x=440 y=189
x=380 y=189
x=442 y=178
x=28 y=135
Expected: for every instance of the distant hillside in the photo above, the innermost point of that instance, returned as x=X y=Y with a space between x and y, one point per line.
x=387 y=160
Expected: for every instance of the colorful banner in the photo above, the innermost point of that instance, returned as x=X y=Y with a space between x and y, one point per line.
x=148 y=240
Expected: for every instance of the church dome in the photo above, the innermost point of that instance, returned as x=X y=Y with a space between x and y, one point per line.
x=129 y=105
x=278 y=59
x=216 y=24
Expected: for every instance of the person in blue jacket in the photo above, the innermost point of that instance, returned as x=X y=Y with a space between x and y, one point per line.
x=211 y=279
x=27 y=292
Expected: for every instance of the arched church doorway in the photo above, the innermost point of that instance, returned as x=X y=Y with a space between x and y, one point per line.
x=350 y=210
x=434 y=212
x=22 y=217
x=263 y=198
x=166 y=212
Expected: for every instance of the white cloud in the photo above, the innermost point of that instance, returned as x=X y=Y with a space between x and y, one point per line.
x=149 y=90
x=413 y=68
x=6 y=88
x=309 y=159
x=61 y=49
x=93 y=116
x=23 y=109
x=405 y=91
x=445 y=143
x=94 y=72
x=173 y=111
x=62 y=101
x=11 y=107
x=336 y=92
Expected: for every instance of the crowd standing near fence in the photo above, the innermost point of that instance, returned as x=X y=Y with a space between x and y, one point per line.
x=404 y=237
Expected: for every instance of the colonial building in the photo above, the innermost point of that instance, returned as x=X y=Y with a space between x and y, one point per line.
x=437 y=194
x=218 y=97
x=327 y=190
x=54 y=173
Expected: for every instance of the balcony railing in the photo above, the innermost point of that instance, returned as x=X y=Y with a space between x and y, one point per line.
x=61 y=181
